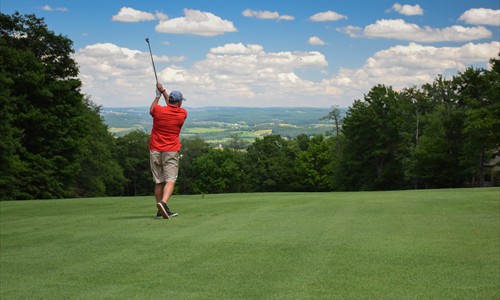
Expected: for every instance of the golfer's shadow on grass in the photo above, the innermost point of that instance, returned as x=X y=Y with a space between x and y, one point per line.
x=137 y=217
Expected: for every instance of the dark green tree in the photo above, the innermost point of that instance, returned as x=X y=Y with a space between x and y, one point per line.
x=271 y=165
x=334 y=115
x=133 y=156
x=10 y=163
x=436 y=158
x=220 y=171
x=46 y=119
x=236 y=142
x=422 y=105
x=191 y=149
x=376 y=134
x=99 y=174
x=315 y=165
x=43 y=97
x=478 y=93
x=303 y=141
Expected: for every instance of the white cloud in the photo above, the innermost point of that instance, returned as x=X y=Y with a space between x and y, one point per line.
x=239 y=48
x=266 y=15
x=352 y=31
x=48 y=8
x=316 y=41
x=327 y=16
x=400 y=30
x=117 y=76
x=411 y=65
x=196 y=22
x=232 y=74
x=408 y=10
x=247 y=75
x=160 y=15
x=481 y=16
x=128 y=14
x=240 y=74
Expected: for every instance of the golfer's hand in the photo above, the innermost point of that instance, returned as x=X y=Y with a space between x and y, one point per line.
x=159 y=87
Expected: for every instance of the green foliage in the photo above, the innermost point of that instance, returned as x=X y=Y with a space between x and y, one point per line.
x=100 y=173
x=434 y=165
x=479 y=92
x=42 y=107
x=443 y=135
x=10 y=163
x=220 y=171
x=335 y=115
x=191 y=149
x=315 y=164
x=270 y=164
x=376 y=132
x=132 y=155
x=459 y=130
x=56 y=145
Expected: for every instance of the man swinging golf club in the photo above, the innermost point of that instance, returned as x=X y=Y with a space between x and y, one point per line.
x=164 y=146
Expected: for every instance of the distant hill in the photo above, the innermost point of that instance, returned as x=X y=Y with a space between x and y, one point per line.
x=217 y=124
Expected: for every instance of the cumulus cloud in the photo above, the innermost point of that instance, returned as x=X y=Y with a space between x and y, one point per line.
x=237 y=49
x=408 y=10
x=49 y=8
x=196 y=22
x=400 y=30
x=237 y=74
x=266 y=15
x=410 y=65
x=352 y=31
x=231 y=74
x=245 y=74
x=108 y=70
x=327 y=16
x=316 y=41
x=256 y=59
x=481 y=16
x=128 y=14
x=160 y=15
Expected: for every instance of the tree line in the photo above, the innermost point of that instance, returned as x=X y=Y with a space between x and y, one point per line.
x=55 y=144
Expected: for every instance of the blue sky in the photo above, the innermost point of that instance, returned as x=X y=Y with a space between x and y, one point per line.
x=258 y=53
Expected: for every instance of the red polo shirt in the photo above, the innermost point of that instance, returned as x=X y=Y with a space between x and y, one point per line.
x=167 y=125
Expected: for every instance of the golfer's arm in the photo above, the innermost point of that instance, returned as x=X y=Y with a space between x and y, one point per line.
x=155 y=102
x=165 y=95
x=163 y=91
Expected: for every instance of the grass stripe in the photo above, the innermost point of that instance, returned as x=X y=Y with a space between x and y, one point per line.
x=424 y=244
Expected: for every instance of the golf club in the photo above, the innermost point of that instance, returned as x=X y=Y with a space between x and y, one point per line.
x=151 y=53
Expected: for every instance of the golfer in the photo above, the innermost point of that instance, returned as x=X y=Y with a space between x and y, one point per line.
x=164 y=146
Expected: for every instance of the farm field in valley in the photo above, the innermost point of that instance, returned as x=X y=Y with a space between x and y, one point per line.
x=217 y=124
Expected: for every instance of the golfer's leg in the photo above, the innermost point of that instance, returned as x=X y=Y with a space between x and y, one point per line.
x=159 y=191
x=157 y=172
x=168 y=190
x=170 y=171
x=162 y=206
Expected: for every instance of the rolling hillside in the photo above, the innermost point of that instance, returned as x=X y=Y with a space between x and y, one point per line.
x=217 y=124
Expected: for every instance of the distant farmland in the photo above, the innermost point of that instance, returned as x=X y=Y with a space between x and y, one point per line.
x=218 y=124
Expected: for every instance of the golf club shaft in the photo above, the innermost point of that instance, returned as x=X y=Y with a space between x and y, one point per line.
x=151 y=53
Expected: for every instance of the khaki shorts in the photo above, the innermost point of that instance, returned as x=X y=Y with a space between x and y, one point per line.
x=164 y=165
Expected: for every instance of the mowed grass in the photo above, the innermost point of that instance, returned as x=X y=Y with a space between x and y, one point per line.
x=425 y=244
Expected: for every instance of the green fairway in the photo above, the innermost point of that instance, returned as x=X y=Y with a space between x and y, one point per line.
x=424 y=244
